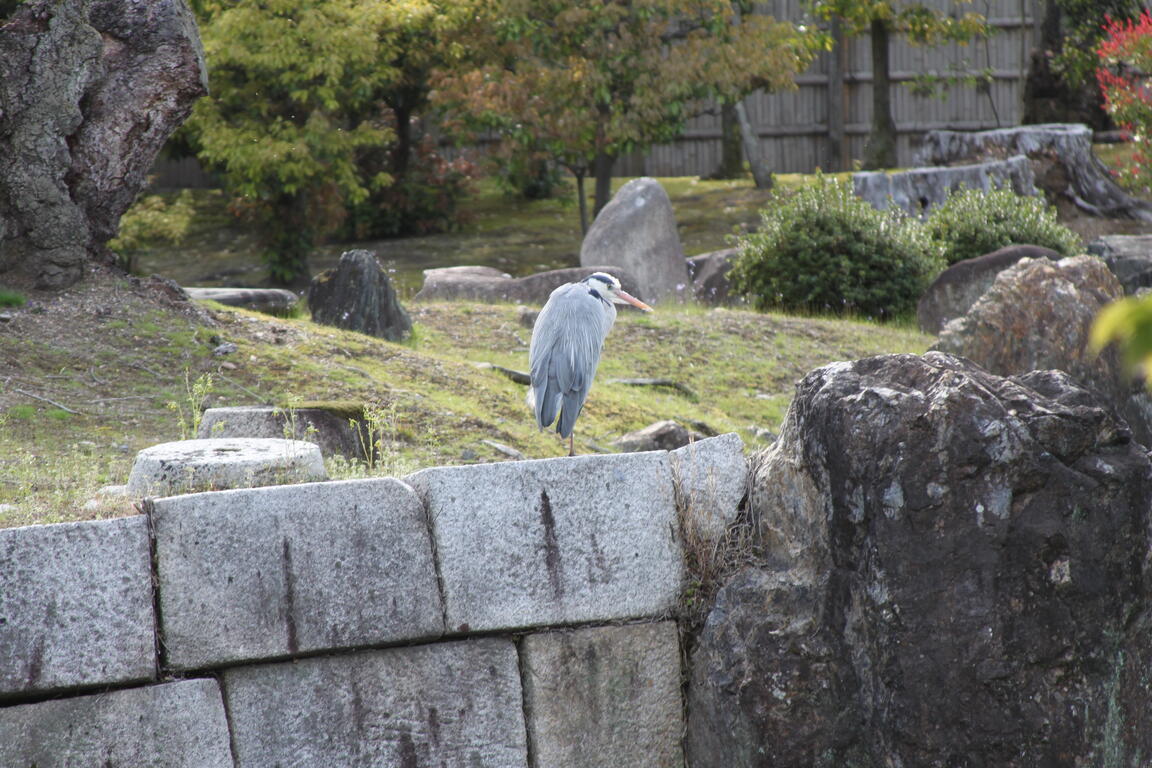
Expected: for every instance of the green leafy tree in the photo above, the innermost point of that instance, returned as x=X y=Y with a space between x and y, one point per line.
x=881 y=19
x=311 y=108
x=587 y=82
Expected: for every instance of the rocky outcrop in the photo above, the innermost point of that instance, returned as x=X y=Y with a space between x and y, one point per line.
x=636 y=231
x=920 y=189
x=1062 y=160
x=1038 y=315
x=952 y=572
x=490 y=285
x=91 y=90
x=957 y=288
x=358 y=296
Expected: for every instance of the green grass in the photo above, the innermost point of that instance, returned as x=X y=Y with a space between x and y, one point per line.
x=440 y=405
x=121 y=368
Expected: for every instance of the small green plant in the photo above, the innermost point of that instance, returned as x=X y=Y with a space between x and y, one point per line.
x=151 y=222
x=822 y=249
x=11 y=298
x=196 y=393
x=972 y=222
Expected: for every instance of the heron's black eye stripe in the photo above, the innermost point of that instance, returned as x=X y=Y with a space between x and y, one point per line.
x=596 y=293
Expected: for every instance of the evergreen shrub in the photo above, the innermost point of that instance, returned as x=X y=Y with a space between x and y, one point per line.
x=973 y=222
x=822 y=249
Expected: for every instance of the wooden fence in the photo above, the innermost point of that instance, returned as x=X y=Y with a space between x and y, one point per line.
x=794 y=125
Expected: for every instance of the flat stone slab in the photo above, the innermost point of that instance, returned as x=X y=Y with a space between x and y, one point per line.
x=187 y=466
x=554 y=541
x=450 y=704
x=272 y=572
x=75 y=606
x=711 y=479
x=605 y=696
x=175 y=725
x=252 y=298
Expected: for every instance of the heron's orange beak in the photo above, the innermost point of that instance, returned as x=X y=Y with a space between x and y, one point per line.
x=630 y=299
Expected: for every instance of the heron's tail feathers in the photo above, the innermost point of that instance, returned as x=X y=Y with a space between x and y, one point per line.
x=545 y=405
x=572 y=405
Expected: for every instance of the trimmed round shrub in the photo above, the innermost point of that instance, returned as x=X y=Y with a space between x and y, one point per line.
x=822 y=249
x=972 y=223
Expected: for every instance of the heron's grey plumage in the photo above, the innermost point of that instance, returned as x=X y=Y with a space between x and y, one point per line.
x=565 y=351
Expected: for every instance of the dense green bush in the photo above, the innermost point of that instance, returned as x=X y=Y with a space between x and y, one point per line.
x=973 y=222
x=822 y=249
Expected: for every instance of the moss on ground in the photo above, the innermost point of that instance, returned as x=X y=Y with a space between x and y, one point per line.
x=130 y=371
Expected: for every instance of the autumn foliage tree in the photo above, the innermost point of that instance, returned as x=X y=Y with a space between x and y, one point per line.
x=1125 y=62
x=587 y=82
x=881 y=19
x=1125 y=58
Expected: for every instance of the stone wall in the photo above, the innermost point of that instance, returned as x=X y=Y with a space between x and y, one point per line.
x=515 y=614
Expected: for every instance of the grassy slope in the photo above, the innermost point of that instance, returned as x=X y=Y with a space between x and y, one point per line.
x=438 y=405
x=112 y=352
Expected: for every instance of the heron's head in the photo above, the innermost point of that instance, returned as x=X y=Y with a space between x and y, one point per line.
x=608 y=288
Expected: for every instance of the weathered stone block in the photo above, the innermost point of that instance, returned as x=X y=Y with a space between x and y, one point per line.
x=711 y=478
x=75 y=606
x=329 y=428
x=187 y=466
x=605 y=696
x=554 y=541
x=456 y=704
x=171 y=725
x=271 y=572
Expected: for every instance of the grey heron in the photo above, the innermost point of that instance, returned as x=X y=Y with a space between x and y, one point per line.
x=565 y=350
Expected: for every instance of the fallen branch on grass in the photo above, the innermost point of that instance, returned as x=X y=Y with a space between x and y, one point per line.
x=50 y=402
x=517 y=376
x=682 y=389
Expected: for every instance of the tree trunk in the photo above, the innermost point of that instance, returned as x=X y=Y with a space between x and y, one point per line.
x=731 y=147
x=289 y=237
x=90 y=92
x=880 y=151
x=837 y=159
x=583 y=198
x=403 y=149
x=760 y=172
x=602 y=169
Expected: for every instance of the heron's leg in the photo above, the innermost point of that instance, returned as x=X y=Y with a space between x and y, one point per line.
x=571 y=446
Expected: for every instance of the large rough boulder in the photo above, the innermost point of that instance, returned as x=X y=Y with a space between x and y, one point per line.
x=637 y=232
x=952 y=574
x=957 y=288
x=1062 y=160
x=1129 y=257
x=90 y=91
x=920 y=189
x=1037 y=315
x=491 y=285
x=358 y=296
